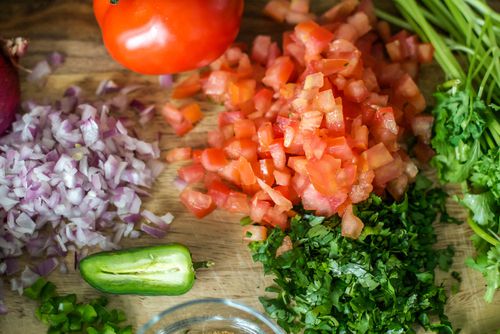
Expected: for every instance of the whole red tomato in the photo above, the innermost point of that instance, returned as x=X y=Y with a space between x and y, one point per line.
x=167 y=36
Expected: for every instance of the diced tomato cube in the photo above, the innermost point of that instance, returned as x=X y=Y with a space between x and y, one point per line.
x=425 y=53
x=360 y=22
x=238 y=203
x=314 y=37
x=182 y=128
x=260 y=49
x=265 y=135
x=363 y=188
x=398 y=186
x=188 y=87
x=331 y=66
x=172 y=114
x=231 y=173
x=282 y=177
x=311 y=120
x=339 y=148
x=314 y=146
x=192 y=173
x=245 y=147
x=340 y=10
x=241 y=91
x=274 y=53
x=377 y=156
x=197 y=156
x=421 y=126
x=192 y=112
x=356 y=91
x=258 y=209
x=244 y=128
x=394 y=50
x=277 y=9
x=264 y=169
x=322 y=174
x=293 y=17
x=335 y=121
x=298 y=164
x=219 y=193
x=247 y=175
x=278 y=153
x=229 y=117
x=263 y=100
x=389 y=172
x=314 y=80
x=423 y=152
x=213 y=159
x=276 y=218
x=359 y=133
x=198 y=203
x=300 y=6
x=217 y=83
x=312 y=199
x=276 y=196
x=351 y=226
x=179 y=154
x=215 y=139
x=279 y=73
x=346 y=32
x=406 y=87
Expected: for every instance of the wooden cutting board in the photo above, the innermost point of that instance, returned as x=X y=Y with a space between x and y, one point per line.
x=69 y=27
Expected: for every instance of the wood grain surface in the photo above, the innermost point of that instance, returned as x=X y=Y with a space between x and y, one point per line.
x=69 y=27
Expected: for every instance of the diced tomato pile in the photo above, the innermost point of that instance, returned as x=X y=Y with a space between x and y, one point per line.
x=321 y=121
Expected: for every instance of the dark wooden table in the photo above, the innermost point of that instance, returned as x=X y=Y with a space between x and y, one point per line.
x=69 y=27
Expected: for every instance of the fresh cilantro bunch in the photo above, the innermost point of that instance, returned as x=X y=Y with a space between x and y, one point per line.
x=381 y=283
x=467 y=127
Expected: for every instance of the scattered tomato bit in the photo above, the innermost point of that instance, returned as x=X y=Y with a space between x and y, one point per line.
x=179 y=154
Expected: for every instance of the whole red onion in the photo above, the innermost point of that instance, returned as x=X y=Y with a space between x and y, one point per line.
x=10 y=92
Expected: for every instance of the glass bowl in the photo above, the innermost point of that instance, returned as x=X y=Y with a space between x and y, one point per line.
x=210 y=316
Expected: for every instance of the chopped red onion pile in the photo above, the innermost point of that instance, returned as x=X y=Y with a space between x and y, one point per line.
x=71 y=177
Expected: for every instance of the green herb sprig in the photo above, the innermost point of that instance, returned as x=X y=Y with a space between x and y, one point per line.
x=466 y=33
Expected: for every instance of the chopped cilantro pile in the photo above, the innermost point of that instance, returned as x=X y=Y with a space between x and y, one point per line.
x=381 y=283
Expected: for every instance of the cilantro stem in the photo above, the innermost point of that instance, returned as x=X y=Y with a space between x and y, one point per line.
x=481 y=233
x=393 y=19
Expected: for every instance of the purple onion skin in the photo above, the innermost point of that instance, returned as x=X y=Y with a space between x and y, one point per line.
x=10 y=91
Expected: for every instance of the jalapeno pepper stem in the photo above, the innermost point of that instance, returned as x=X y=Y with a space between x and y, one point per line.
x=203 y=264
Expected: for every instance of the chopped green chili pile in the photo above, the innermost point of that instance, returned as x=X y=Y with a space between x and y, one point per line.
x=64 y=315
x=381 y=283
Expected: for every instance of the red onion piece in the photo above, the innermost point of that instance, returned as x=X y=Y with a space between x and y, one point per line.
x=180 y=184
x=105 y=87
x=166 y=80
x=56 y=59
x=162 y=222
x=28 y=277
x=40 y=72
x=46 y=267
x=155 y=232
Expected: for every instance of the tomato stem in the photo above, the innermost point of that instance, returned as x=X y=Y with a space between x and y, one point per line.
x=114 y=2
